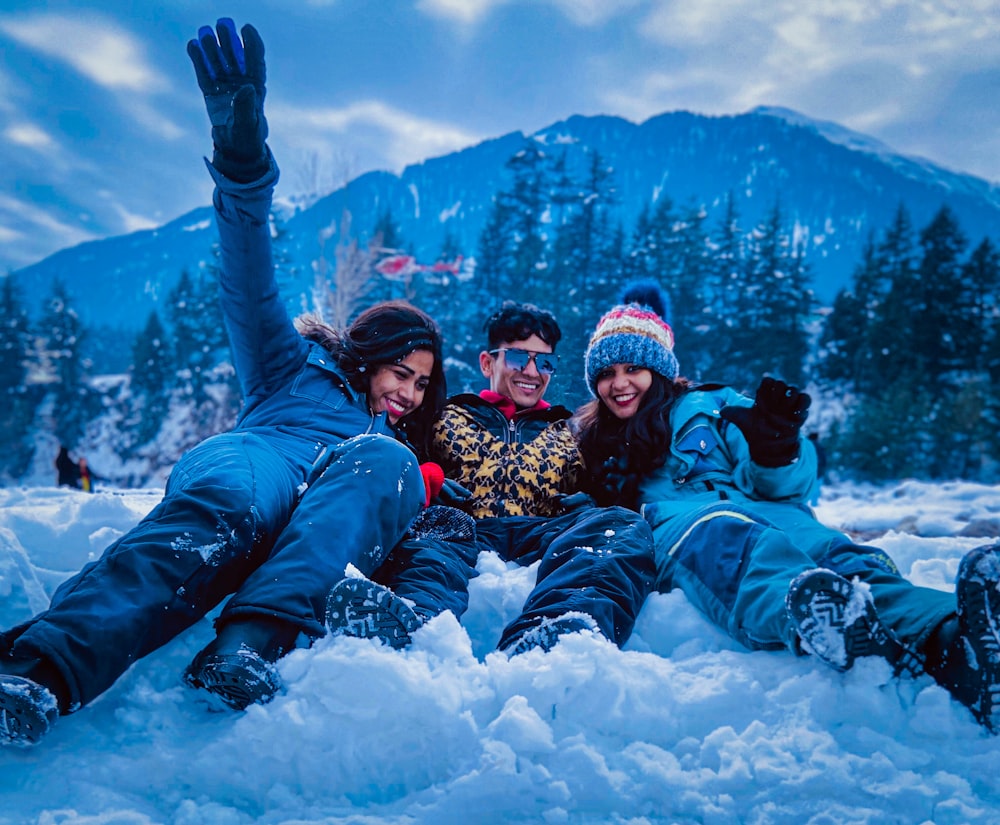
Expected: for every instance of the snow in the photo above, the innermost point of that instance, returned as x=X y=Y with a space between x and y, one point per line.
x=681 y=726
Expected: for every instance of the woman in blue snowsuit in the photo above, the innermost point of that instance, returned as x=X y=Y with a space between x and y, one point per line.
x=314 y=476
x=724 y=482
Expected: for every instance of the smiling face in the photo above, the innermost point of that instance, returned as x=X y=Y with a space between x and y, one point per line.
x=621 y=388
x=524 y=387
x=398 y=389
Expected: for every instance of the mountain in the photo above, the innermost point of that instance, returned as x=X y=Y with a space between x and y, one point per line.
x=835 y=188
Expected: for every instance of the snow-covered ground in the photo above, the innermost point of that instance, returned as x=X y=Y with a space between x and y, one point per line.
x=682 y=726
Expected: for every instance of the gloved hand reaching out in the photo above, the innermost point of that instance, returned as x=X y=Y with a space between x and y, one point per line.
x=771 y=426
x=231 y=75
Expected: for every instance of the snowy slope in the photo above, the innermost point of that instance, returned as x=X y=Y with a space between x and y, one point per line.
x=682 y=726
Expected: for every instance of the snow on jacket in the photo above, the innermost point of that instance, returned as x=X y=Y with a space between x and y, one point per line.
x=515 y=467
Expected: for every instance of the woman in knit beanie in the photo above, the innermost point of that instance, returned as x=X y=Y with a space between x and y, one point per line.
x=724 y=482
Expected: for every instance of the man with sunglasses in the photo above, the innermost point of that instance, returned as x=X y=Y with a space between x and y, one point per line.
x=511 y=463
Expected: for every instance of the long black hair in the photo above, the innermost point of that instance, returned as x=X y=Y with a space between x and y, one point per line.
x=619 y=453
x=382 y=335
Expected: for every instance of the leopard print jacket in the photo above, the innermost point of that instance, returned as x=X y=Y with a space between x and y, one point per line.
x=513 y=468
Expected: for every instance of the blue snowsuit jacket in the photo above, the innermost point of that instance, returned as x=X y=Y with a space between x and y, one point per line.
x=270 y=513
x=732 y=534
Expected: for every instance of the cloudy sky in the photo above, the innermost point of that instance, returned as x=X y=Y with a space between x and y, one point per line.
x=102 y=127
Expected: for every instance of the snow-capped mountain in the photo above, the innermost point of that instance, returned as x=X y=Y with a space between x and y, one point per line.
x=835 y=188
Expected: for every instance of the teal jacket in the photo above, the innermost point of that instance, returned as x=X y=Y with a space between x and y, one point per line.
x=710 y=460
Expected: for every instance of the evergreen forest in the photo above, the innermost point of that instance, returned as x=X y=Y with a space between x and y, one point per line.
x=904 y=366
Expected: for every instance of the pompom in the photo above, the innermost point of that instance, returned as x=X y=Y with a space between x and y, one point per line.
x=648 y=294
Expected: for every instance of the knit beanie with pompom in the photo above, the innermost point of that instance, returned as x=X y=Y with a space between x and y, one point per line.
x=634 y=332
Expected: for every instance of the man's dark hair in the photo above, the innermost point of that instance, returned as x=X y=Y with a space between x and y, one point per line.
x=515 y=322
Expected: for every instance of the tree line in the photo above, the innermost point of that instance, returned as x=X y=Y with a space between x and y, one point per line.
x=902 y=365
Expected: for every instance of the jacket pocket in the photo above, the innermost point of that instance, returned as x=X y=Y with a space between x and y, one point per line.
x=697 y=445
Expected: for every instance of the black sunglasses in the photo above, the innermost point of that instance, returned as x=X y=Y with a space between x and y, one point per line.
x=518 y=359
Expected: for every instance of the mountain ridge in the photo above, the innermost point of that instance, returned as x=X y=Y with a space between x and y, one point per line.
x=834 y=186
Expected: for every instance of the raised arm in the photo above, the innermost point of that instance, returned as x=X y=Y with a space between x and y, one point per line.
x=231 y=75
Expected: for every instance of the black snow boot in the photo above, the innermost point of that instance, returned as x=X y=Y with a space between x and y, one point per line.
x=441 y=522
x=366 y=610
x=963 y=654
x=237 y=667
x=548 y=632
x=836 y=620
x=29 y=707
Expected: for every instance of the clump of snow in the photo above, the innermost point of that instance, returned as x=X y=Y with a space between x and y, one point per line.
x=683 y=725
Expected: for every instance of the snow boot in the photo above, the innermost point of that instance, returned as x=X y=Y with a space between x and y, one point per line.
x=548 y=632
x=444 y=523
x=366 y=610
x=963 y=654
x=28 y=710
x=237 y=667
x=836 y=620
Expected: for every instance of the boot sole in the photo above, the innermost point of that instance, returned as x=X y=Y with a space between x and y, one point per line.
x=27 y=711
x=824 y=608
x=979 y=620
x=238 y=680
x=365 y=610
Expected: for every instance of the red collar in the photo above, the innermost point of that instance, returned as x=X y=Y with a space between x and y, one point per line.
x=507 y=406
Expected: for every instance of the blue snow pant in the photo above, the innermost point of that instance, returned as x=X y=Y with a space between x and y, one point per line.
x=432 y=572
x=734 y=560
x=246 y=514
x=597 y=561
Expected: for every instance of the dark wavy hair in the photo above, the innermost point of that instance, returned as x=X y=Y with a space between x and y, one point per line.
x=381 y=335
x=619 y=453
x=515 y=322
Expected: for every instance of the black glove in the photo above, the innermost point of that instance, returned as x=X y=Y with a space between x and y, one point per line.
x=771 y=426
x=573 y=502
x=453 y=494
x=232 y=79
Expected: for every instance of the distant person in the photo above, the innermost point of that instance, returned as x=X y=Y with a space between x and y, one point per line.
x=67 y=470
x=86 y=479
x=317 y=474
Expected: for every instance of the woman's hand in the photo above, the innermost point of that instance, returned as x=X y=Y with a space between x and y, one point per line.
x=231 y=76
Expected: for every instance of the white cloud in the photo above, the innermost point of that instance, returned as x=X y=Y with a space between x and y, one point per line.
x=591 y=13
x=587 y=13
x=96 y=47
x=153 y=119
x=866 y=63
x=8 y=235
x=27 y=213
x=466 y=12
x=409 y=139
x=132 y=222
x=29 y=136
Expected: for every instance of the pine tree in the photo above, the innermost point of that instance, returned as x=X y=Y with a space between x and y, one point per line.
x=525 y=205
x=151 y=378
x=198 y=332
x=18 y=401
x=61 y=335
x=947 y=308
x=844 y=337
x=893 y=301
x=980 y=282
x=769 y=328
x=690 y=283
x=723 y=344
